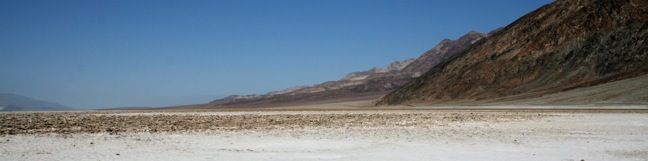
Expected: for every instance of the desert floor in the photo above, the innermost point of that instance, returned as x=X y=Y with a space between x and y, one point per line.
x=474 y=135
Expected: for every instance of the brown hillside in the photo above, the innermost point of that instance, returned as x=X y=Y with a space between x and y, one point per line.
x=565 y=45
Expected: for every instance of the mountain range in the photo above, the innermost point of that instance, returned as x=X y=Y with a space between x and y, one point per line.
x=14 y=102
x=563 y=46
x=566 y=52
x=363 y=85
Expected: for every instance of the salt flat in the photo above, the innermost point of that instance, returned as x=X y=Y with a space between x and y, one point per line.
x=352 y=135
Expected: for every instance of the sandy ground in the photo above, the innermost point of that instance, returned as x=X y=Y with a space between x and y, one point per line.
x=327 y=135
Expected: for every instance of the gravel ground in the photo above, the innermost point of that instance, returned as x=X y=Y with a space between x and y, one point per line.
x=92 y=122
x=325 y=135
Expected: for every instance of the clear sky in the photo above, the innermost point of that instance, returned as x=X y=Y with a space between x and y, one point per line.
x=115 y=53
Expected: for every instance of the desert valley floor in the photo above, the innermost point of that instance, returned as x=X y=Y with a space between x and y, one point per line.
x=450 y=134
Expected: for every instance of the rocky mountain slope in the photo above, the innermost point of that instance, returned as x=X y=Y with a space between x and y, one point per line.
x=565 y=45
x=14 y=102
x=368 y=84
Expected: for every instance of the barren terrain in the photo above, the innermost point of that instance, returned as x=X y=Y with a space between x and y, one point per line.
x=495 y=134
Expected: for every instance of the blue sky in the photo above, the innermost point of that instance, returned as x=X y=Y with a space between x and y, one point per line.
x=115 y=53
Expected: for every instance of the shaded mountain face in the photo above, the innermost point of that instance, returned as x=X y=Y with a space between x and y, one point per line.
x=13 y=102
x=565 y=45
x=368 y=84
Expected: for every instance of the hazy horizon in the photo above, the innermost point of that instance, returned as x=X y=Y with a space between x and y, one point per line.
x=92 y=54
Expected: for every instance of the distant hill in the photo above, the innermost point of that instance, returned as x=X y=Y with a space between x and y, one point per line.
x=363 y=85
x=14 y=102
x=564 y=47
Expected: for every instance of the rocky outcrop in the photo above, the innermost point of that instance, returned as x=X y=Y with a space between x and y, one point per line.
x=565 y=45
x=372 y=83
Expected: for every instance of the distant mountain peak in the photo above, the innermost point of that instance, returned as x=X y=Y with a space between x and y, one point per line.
x=15 y=102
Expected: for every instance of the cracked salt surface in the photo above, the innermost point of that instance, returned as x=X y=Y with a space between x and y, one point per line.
x=589 y=137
